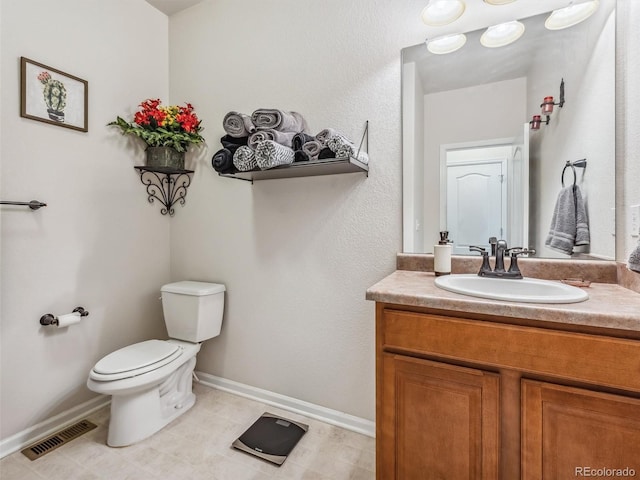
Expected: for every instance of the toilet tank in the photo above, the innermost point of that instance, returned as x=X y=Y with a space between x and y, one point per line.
x=193 y=310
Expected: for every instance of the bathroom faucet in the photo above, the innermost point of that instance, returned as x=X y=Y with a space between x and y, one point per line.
x=501 y=247
x=500 y=250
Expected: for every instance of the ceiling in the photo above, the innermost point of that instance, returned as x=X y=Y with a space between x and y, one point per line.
x=169 y=7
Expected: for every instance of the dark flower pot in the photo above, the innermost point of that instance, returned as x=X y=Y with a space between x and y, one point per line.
x=165 y=157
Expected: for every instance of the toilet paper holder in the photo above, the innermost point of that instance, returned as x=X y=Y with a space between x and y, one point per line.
x=50 y=319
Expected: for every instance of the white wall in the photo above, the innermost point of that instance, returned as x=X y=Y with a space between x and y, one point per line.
x=297 y=254
x=413 y=159
x=98 y=243
x=476 y=114
x=627 y=182
x=583 y=128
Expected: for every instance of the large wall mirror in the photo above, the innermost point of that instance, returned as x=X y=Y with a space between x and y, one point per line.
x=471 y=163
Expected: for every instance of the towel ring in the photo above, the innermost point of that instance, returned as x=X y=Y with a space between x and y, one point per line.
x=578 y=163
x=575 y=177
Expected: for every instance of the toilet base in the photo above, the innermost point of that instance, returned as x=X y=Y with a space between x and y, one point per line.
x=138 y=416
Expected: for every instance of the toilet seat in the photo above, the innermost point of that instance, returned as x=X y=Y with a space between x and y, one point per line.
x=135 y=360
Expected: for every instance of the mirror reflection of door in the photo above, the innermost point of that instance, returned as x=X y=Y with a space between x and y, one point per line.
x=483 y=196
x=476 y=202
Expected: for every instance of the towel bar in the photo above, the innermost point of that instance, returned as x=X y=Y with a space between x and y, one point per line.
x=33 y=204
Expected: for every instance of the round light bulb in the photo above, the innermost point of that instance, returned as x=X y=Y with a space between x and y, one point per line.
x=572 y=15
x=502 y=34
x=446 y=44
x=442 y=12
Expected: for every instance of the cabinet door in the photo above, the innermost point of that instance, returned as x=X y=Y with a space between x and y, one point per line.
x=438 y=421
x=571 y=432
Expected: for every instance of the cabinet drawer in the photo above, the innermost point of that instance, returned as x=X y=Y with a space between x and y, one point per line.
x=605 y=361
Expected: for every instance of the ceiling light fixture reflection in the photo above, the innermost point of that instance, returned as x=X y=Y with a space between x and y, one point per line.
x=502 y=34
x=572 y=15
x=498 y=2
x=446 y=44
x=442 y=12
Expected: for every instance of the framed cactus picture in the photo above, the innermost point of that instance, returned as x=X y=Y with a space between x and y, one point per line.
x=51 y=96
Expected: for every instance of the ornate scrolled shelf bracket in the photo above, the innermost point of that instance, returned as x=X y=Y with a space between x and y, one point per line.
x=167 y=185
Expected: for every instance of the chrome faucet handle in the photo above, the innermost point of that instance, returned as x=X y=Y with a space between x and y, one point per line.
x=520 y=251
x=485 y=268
x=514 y=252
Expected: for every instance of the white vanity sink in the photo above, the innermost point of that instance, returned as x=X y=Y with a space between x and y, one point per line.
x=528 y=290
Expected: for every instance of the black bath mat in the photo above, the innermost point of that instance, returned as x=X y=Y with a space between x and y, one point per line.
x=271 y=438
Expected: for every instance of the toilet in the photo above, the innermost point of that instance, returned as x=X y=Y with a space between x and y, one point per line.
x=151 y=382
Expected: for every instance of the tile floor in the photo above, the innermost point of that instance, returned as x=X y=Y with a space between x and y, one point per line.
x=197 y=446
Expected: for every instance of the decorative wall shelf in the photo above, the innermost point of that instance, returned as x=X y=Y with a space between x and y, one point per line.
x=168 y=185
x=327 y=166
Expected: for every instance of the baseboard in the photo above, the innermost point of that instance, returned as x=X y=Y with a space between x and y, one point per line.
x=317 y=412
x=51 y=425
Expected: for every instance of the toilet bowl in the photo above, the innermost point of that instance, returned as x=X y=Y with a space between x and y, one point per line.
x=151 y=382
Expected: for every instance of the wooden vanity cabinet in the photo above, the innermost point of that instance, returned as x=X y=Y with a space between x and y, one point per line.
x=481 y=398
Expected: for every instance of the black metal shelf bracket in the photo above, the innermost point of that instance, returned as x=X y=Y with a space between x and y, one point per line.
x=167 y=185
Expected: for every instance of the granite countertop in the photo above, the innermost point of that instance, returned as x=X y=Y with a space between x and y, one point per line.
x=609 y=307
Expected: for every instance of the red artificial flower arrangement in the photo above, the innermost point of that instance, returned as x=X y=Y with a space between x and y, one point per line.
x=164 y=126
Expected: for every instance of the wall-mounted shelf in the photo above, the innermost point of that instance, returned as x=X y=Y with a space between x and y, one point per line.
x=168 y=185
x=327 y=166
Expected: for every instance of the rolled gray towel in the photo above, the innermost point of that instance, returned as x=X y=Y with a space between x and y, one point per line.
x=270 y=154
x=312 y=149
x=283 y=138
x=279 y=120
x=300 y=139
x=634 y=260
x=238 y=124
x=324 y=136
x=245 y=159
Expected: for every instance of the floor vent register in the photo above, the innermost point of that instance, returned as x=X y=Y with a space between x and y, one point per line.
x=58 y=439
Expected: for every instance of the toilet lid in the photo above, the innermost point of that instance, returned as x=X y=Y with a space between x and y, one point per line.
x=137 y=359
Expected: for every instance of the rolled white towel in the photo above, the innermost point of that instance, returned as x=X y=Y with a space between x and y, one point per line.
x=325 y=135
x=244 y=159
x=270 y=154
x=344 y=148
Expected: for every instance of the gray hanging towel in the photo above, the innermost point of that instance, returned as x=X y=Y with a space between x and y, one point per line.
x=634 y=260
x=569 y=225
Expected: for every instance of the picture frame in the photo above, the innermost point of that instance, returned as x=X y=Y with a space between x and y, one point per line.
x=51 y=96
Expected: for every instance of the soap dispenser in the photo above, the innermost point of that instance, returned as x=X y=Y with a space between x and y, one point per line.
x=442 y=255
